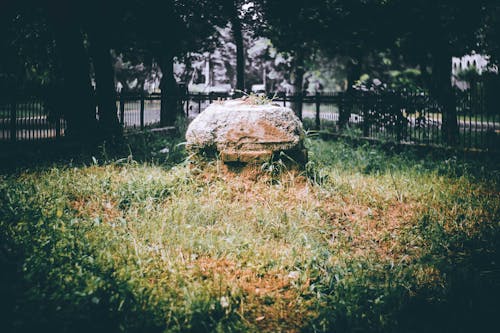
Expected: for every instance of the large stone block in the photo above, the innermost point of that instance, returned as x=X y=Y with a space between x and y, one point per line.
x=244 y=132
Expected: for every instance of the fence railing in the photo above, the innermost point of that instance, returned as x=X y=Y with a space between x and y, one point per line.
x=410 y=118
x=28 y=119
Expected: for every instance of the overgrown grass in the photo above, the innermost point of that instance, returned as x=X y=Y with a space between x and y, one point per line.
x=361 y=240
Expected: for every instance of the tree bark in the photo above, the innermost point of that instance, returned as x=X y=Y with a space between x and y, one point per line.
x=444 y=94
x=105 y=86
x=79 y=106
x=353 y=74
x=298 y=81
x=240 y=56
x=230 y=8
x=169 y=93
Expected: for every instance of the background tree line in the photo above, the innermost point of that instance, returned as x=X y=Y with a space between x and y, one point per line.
x=61 y=46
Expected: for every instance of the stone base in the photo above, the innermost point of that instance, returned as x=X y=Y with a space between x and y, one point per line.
x=260 y=156
x=252 y=156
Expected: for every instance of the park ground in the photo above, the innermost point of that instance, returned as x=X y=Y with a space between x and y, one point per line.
x=365 y=239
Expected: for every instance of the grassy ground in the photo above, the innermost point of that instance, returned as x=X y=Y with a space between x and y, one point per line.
x=363 y=240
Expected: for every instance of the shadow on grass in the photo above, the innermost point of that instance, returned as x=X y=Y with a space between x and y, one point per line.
x=140 y=147
x=27 y=303
x=470 y=303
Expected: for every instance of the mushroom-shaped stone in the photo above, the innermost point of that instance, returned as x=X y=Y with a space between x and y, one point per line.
x=244 y=132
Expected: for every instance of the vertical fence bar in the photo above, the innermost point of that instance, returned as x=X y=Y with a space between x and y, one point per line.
x=467 y=117
x=365 y=112
x=300 y=104
x=46 y=124
x=487 y=115
x=13 y=119
x=187 y=105
x=58 y=126
x=341 y=107
x=142 y=111
x=460 y=111
x=199 y=103
x=481 y=110
x=24 y=114
x=122 y=111
x=31 y=121
x=27 y=119
x=38 y=120
x=439 y=122
x=34 y=120
x=317 y=118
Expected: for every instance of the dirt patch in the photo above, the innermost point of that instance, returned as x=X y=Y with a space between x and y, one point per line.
x=269 y=301
x=372 y=230
x=106 y=210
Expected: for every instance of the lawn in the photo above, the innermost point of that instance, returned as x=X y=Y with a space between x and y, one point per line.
x=366 y=239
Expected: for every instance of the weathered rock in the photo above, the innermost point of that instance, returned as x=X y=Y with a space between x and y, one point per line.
x=245 y=132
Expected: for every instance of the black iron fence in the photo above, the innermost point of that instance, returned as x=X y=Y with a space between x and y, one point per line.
x=29 y=119
x=408 y=118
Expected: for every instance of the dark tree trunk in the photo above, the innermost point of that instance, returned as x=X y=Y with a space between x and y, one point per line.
x=169 y=92
x=444 y=94
x=298 y=81
x=353 y=74
x=105 y=86
x=79 y=106
x=240 y=56
x=230 y=8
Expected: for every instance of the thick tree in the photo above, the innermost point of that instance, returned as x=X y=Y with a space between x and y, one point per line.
x=100 y=24
x=342 y=28
x=430 y=33
x=355 y=31
x=172 y=29
x=27 y=61
x=232 y=11
x=292 y=27
x=490 y=31
x=78 y=106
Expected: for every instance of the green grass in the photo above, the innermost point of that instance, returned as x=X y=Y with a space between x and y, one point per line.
x=467 y=137
x=362 y=240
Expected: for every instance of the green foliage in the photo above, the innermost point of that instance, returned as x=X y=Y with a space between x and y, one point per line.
x=469 y=74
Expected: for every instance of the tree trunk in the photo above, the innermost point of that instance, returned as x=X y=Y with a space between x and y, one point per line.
x=240 y=57
x=298 y=81
x=168 y=86
x=79 y=107
x=353 y=74
x=105 y=86
x=230 y=8
x=444 y=94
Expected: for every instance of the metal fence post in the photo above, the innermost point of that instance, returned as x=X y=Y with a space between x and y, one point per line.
x=365 y=112
x=299 y=99
x=187 y=105
x=13 y=120
x=122 y=111
x=58 y=126
x=199 y=102
x=317 y=118
x=142 y=111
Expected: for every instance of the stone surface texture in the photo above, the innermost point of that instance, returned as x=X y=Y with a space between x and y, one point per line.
x=244 y=132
